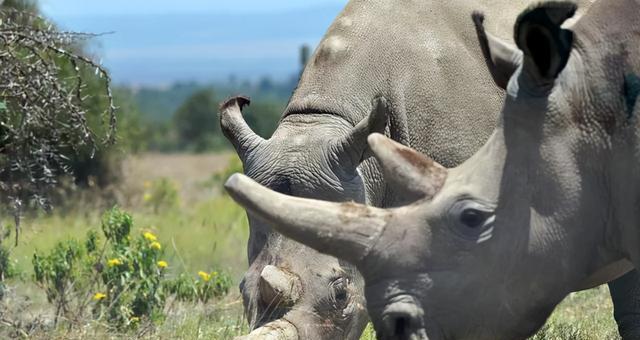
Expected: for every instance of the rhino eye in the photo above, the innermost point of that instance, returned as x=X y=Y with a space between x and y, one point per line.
x=473 y=218
x=340 y=291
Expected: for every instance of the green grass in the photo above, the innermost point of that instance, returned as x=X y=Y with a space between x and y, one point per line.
x=205 y=236
x=211 y=235
x=586 y=315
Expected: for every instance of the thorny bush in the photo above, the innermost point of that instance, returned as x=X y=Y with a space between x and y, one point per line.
x=43 y=111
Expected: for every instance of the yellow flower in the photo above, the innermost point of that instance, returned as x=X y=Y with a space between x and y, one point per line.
x=114 y=262
x=155 y=245
x=147 y=197
x=204 y=276
x=162 y=264
x=99 y=296
x=134 y=319
x=149 y=236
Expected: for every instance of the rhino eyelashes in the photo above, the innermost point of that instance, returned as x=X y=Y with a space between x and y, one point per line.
x=631 y=92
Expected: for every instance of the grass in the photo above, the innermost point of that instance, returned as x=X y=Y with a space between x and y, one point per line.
x=586 y=315
x=209 y=231
x=205 y=236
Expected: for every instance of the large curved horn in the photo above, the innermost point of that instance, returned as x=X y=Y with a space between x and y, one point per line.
x=235 y=128
x=276 y=330
x=344 y=230
x=417 y=175
x=352 y=148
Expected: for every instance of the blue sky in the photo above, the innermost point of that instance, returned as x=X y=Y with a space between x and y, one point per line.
x=158 y=42
x=62 y=8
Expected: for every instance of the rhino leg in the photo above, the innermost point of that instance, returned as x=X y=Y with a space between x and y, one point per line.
x=625 y=293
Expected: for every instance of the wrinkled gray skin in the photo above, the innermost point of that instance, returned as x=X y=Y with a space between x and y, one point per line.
x=423 y=57
x=547 y=206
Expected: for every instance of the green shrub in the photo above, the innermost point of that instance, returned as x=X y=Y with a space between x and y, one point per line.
x=60 y=274
x=131 y=273
x=208 y=286
x=121 y=275
x=161 y=194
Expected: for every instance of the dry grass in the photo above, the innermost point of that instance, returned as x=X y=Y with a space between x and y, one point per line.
x=188 y=171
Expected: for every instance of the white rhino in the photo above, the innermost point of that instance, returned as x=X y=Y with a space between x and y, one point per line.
x=423 y=57
x=549 y=205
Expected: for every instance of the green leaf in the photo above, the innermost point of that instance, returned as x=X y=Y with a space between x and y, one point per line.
x=3 y=106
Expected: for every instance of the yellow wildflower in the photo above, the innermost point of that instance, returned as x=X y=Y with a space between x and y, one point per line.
x=162 y=264
x=134 y=319
x=149 y=236
x=99 y=296
x=114 y=262
x=147 y=197
x=204 y=276
x=155 y=245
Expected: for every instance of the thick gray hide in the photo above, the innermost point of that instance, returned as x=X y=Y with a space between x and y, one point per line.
x=423 y=56
x=547 y=206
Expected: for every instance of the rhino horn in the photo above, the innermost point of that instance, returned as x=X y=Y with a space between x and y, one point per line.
x=235 y=128
x=353 y=147
x=279 y=287
x=417 y=175
x=345 y=230
x=275 y=330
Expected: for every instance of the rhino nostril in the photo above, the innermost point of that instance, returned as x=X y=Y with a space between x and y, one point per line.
x=402 y=319
x=401 y=326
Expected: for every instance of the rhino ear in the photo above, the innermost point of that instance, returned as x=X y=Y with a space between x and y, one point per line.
x=352 y=149
x=235 y=128
x=502 y=59
x=417 y=175
x=545 y=44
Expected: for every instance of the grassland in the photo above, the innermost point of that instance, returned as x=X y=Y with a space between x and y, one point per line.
x=207 y=231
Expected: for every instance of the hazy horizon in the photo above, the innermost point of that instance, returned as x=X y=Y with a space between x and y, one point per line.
x=196 y=40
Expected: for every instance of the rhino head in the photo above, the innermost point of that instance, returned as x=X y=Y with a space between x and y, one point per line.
x=291 y=290
x=486 y=250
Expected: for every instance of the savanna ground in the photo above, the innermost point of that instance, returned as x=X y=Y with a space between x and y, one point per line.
x=204 y=230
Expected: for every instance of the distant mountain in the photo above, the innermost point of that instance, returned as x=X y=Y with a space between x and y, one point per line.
x=203 y=47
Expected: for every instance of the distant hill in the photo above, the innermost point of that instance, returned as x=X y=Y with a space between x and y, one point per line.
x=203 y=47
x=159 y=104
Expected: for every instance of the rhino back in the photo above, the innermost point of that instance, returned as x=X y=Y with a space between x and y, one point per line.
x=424 y=57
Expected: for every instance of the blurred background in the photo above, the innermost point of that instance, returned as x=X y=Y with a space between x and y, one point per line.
x=171 y=54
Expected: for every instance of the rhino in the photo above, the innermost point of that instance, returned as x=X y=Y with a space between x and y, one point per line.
x=547 y=206
x=422 y=62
